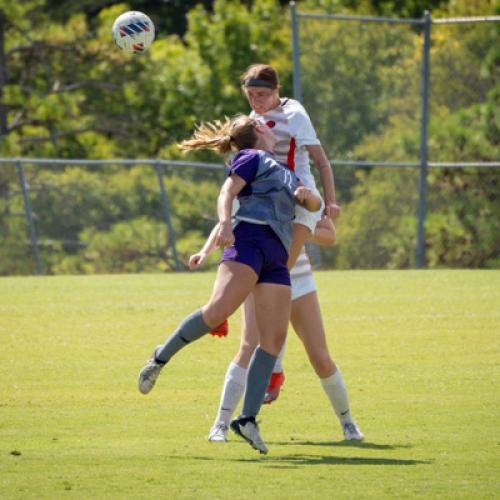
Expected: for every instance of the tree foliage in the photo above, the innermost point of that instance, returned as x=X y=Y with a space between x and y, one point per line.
x=67 y=92
x=463 y=212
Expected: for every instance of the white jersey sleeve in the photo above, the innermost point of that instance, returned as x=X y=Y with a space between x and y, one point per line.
x=302 y=130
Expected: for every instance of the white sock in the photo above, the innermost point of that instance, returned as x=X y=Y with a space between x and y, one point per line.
x=337 y=394
x=232 y=392
x=278 y=366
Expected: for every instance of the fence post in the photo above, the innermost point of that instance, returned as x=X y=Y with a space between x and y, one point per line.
x=166 y=214
x=424 y=102
x=29 y=217
x=312 y=250
x=297 y=89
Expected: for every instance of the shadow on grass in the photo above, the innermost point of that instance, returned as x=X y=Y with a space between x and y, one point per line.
x=343 y=444
x=298 y=460
x=294 y=461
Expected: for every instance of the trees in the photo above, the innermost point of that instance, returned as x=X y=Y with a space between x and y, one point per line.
x=463 y=212
x=65 y=91
x=70 y=94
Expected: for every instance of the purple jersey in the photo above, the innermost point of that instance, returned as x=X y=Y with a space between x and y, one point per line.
x=245 y=164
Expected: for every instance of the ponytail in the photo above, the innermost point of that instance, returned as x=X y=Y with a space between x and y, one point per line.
x=231 y=135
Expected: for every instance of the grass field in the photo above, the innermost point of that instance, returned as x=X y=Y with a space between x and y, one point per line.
x=419 y=351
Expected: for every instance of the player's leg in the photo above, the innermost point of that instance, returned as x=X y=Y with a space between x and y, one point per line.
x=301 y=233
x=308 y=324
x=277 y=378
x=272 y=306
x=233 y=284
x=304 y=225
x=235 y=379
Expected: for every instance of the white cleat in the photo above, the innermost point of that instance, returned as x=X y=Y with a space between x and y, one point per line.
x=248 y=429
x=149 y=374
x=352 y=432
x=218 y=433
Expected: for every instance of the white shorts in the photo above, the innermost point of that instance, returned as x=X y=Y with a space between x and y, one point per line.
x=303 y=216
x=302 y=286
x=306 y=218
x=301 y=276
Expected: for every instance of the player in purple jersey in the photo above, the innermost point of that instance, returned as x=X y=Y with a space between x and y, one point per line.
x=297 y=141
x=254 y=257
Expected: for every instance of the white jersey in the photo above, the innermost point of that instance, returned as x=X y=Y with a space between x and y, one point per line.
x=293 y=128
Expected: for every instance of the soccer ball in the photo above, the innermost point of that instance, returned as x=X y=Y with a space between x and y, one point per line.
x=133 y=32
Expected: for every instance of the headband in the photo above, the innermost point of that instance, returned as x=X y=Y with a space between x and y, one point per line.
x=257 y=82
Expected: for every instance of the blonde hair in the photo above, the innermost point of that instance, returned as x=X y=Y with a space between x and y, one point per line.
x=232 y=134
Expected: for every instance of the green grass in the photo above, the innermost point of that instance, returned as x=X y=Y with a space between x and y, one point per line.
x=419 y=351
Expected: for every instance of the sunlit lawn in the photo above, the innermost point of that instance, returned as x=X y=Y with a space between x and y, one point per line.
x=419 y=351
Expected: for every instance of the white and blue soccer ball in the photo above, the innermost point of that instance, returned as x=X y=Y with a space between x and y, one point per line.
x=133 y=32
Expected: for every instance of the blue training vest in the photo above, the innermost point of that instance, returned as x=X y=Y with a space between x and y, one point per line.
x=272 y=200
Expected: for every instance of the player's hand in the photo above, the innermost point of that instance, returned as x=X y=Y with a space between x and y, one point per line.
x=302 y=193
x=196 y=260
x=225 y=236
x=332 y=210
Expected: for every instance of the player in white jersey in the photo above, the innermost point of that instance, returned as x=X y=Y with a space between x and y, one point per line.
x=307 y=323
x=297 y=142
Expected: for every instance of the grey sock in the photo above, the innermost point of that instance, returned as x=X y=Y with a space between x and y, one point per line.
x=259 y=373
x=192 y=328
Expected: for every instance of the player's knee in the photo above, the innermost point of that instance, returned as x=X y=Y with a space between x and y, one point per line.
x=214 y=315
x=322 y=363
x=247 y=347
x=244 y=354
x=273 y=343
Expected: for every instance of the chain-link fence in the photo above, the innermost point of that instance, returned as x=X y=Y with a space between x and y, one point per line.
x=418 y=98
x=94 y=216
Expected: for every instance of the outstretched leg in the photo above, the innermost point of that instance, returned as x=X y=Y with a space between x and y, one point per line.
x=308 y=324
x=233 y=284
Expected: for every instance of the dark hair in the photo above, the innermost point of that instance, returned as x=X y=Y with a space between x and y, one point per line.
x=260 y=75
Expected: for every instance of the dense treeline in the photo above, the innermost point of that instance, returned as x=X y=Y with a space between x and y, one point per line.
x=67 y=92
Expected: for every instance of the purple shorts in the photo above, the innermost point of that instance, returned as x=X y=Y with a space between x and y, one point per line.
x=258 y=246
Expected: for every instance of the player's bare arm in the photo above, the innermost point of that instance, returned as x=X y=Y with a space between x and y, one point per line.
x=306 y=198
x=326 y=175
x=197 y=259
x=325 y=234
x=230 y=189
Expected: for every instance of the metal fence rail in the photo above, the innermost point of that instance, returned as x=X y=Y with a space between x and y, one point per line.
x=167 y=210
